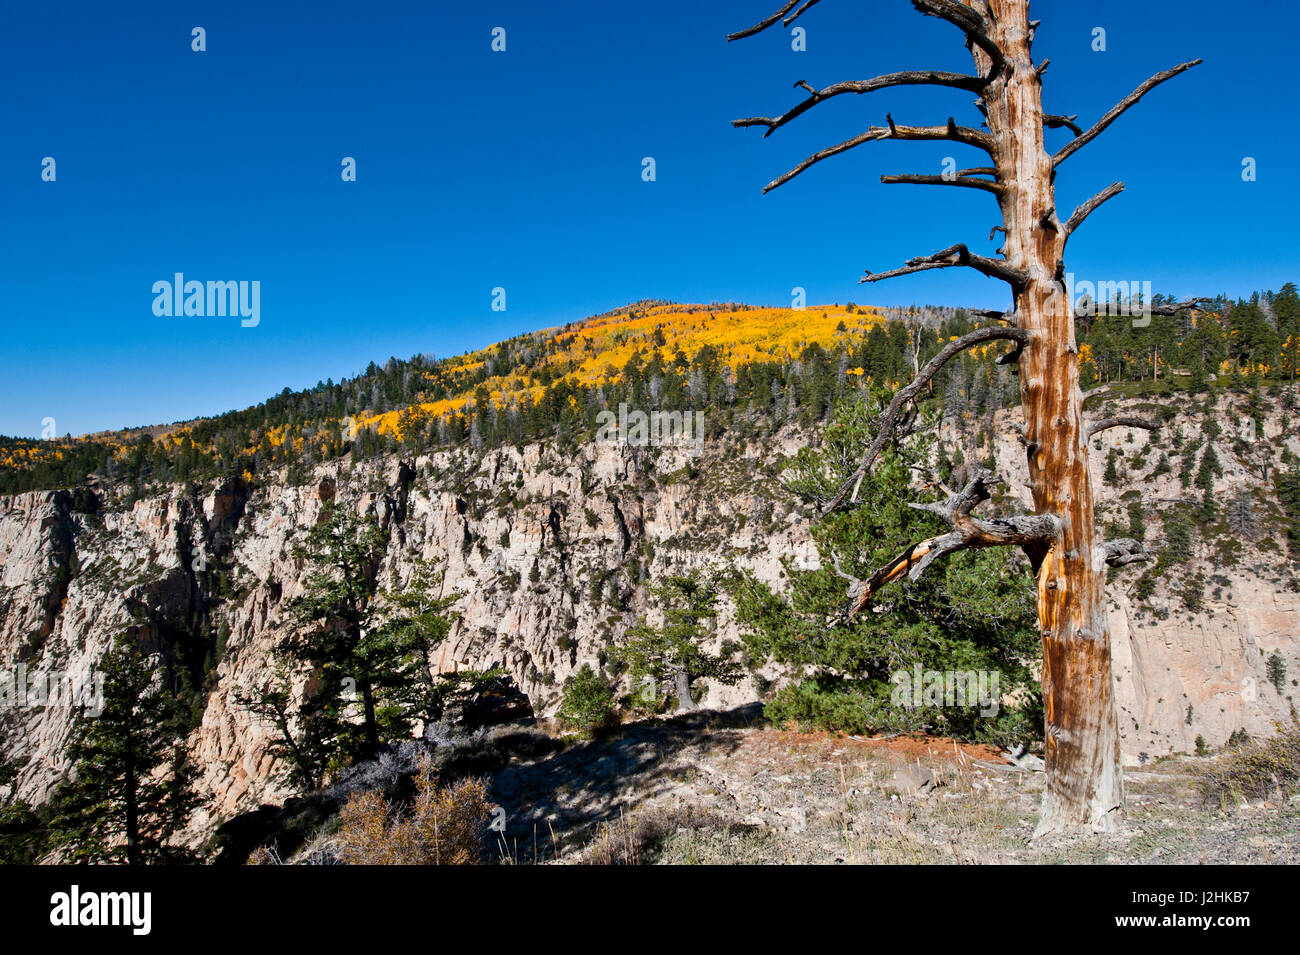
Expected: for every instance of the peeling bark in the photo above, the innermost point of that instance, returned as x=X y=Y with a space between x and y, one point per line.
x=1084 y=780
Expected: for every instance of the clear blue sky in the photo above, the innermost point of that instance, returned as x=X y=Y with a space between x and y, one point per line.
x=523 y=170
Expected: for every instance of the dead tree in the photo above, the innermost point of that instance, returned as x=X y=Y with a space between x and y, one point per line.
x=1084 y=778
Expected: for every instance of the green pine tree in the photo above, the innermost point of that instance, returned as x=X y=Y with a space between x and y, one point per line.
x=1275 y=670
x=676 y=652
x=129 y=786
x=974 y=611
x=588 y=702
x=367 y=653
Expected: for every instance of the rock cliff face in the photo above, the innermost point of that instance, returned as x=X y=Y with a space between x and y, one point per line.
x=1183 y=672
x=551 y=554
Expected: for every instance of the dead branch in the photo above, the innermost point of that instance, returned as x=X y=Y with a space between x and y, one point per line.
x=969 y=20
x=1114 y=113
x=951 y=257
x=764 y=24
x=889 y=418
x=1175 y=307
x=1053 y=121
x=961 y=81
x=1086 y=208
x=1122 y=421
x=971 y=137
x=968 y=533
x=856 y=585
x=918 y=179
x=1099 y=392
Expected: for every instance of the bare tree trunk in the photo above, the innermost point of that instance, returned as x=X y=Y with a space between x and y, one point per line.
x=682 y=686
x=1084 y=782
x=370 y=717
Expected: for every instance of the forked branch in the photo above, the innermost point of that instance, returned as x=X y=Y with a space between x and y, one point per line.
x=890 y=417
x=952 y=257
x=960 y=134
x=764 y=24
x=967 y=533
x=1053 y=121
x=969 y=20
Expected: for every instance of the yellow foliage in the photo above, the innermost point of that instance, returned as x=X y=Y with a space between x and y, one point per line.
x=595 y=351
x=588 y=353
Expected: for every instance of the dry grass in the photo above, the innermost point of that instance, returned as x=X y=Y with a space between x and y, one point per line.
x=444 y=825
x=640 y=836
x=1255 y=770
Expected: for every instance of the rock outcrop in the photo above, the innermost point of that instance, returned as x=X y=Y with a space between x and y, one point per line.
x=551 y=555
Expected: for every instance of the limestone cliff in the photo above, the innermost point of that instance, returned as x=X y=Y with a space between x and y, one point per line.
x=551 y=554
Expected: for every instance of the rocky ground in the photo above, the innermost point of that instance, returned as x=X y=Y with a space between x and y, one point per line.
x=722 y=788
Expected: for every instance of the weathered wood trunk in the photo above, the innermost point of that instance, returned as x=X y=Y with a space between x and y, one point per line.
x=1084 y=780
x=682 y=686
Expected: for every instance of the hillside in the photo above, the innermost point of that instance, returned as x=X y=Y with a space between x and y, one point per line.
x=732 y=359
x=553 y=539
x=519 y=388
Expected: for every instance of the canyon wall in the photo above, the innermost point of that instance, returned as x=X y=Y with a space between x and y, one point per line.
x=551 y=554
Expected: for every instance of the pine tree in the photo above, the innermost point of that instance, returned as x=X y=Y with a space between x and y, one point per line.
x=1286 y=482
x=675 y=652
x=1178 y=539
x=23 y=833
x=1111 y=474
x=1136 y=525
x=128 y=789
x=588 y=702
x=367 y=651
x=1241 y=516
x=1205 y=475
x=1275 y=670
x=974 y=612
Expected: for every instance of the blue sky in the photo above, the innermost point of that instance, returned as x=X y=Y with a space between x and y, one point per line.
x=522 y=170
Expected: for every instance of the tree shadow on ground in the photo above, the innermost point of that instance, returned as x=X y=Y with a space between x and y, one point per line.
x=556 y=802
x=545 y=786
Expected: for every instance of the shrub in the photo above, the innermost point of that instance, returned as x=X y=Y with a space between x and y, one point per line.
x=588 y=702
x=444 y=825
x=1276 y=671
x=1255 y=769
